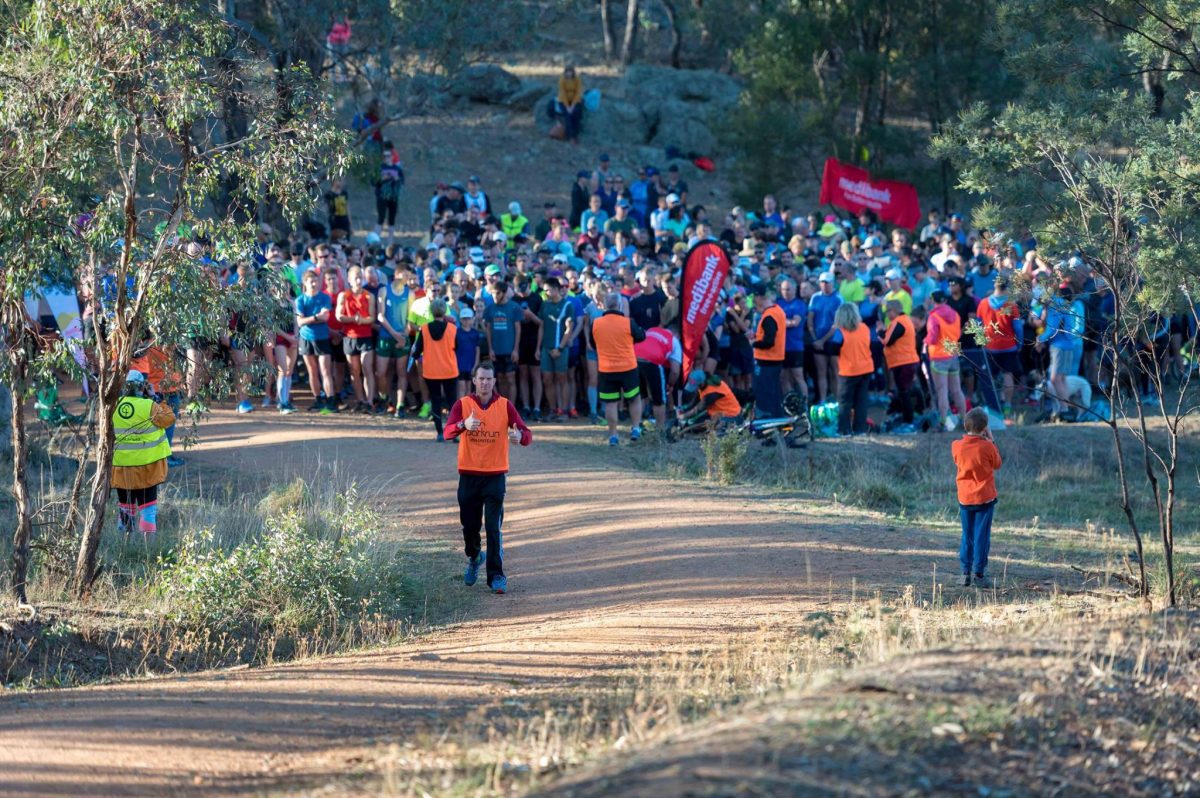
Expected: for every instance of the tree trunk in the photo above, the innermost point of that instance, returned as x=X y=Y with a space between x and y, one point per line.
x=676 y=33
x=631 y=28
x=606 y=25
x=22 y=534
x=1114 y=400
x=86 y=570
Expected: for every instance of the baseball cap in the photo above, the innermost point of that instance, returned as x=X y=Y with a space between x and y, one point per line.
x=514 y=208
x=696 y=379
x=501 y=237
x=672 y=199
x=593 y=222
x=826 y=277
x=135 y=376
x=622 y=203
x=894 y=274
x=476 y=254
x=583 y=173
x=560 y=258
x=474 y=179
x=457 y=185
x=603 y=157
x=872 y=242
x=492 y=269
x=466 y=313
x=472 y=270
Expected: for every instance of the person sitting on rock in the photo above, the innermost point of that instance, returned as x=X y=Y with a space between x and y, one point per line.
x=568 y=107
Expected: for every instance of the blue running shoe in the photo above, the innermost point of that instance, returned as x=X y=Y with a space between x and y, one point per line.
x=613 y=440
x=635 y=434
x=245 y=407
x=499 y=585
x=471 y=575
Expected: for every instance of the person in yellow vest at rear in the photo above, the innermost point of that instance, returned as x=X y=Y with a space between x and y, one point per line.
x=139 y=455
x=513 y=224
x=769 y=343
x=486 y=423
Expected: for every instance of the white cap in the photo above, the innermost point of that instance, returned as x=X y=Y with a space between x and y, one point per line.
x=826 y=277
x=476 y=254
x=872 y=242
x=560 y=258
x=672 y=199
x=501 y=237
x=466 y=313
x=473 y=271
x=135 y=376
x=894 y=274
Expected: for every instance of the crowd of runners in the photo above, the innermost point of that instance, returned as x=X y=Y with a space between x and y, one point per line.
x=920 y=325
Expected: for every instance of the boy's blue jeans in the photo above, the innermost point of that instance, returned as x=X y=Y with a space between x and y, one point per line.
x=976 y=536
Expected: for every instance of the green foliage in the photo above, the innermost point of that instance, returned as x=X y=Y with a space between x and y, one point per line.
x=862 y=81
x=301 y=573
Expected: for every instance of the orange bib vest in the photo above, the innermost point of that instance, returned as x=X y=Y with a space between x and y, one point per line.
x=775 y=353
x=485 y=450
x=727 y=405
x=614 y=344
x=855 y=358
x=904 y=351
x=439 y=358
x=948 y=332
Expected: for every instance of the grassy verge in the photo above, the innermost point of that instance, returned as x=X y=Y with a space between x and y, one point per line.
x=238 y=574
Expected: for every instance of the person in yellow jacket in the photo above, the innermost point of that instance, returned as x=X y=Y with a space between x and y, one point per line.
x=140 y=454
x=513 y=224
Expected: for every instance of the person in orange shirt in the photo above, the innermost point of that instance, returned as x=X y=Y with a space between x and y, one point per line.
x=487 y=424
x=855 y=367
x=715 y=401
x=770 y=341
x=437 y=344
x=977 y=458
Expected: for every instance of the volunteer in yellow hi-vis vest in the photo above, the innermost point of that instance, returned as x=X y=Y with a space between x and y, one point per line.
x=140 y=454
x=484 y=423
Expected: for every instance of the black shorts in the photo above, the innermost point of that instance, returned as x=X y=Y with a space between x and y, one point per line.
x=504 y=364
x=529 y=354
x=793 y=359
x=1005 y=362
x=653 y=382
x=318 y=348
x=830 y=349
x=358 y=346
x=615 y=385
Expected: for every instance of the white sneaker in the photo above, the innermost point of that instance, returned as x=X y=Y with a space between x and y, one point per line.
x=951 y=423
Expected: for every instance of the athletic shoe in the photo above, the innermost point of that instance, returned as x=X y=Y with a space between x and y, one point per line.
x=174 y=462
x=400 y=413
x=245 y=407
x=391 y=409
x=500 y=585
x=266 y=400
x=573 y=413
x=426 y=410
x=982 y=581
x=535 y=414
x=441 y=438
x=966 y=580
x=327 y=410
x=597 y=421
x=951 y=423
x=286 y=410
x=613 y=440
x=905 y=429
x=635 y=434
x=471 y=575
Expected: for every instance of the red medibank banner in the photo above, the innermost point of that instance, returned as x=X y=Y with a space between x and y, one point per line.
x=849 y=187
x=704 y=273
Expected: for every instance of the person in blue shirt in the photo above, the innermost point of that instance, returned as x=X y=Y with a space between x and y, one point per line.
x=821 y=310
x=795 y=311
x=1063 y=335
x=313 y=310
x=466 y=349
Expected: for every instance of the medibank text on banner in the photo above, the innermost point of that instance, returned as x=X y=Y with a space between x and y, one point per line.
x=704 y=273
x=849 y=187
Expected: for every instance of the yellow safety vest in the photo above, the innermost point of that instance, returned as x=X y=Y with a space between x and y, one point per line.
x=512 y=227
x=138 y=441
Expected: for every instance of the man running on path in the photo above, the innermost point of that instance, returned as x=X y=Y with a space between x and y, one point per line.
x=487 y=423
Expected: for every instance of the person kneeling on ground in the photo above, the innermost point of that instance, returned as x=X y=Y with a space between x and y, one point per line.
x=977 y=458
x=140 y=452
x=714 y=400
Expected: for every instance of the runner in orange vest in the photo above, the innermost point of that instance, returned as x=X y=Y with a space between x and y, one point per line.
x=613 y=336
x=900 y=353
x=437 y=345
x=855 y=367
x=487 y=423
x=769 y=345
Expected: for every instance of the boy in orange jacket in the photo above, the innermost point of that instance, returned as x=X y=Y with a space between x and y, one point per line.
x=977 y=459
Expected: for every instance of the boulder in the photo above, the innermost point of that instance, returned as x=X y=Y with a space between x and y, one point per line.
x=615 y=122
x=648 y=84
x=528 y=96
x=485 y=83
x=684 y=125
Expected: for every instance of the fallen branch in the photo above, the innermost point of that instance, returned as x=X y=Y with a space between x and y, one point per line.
x=1120 y=577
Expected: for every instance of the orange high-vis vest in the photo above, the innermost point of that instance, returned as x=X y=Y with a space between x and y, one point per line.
x=614 y=344
x=998 y=324
x=948 y=332
x=727 y=405
x=485 y=450
x=438 y=357
x=775 y=353
x=904 y=351
x=855 y=358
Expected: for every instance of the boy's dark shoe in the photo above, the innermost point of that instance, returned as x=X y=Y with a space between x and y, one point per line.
x=982 y=581
x=966 y=580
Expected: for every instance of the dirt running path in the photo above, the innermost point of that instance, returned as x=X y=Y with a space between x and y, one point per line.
x=606 y=565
